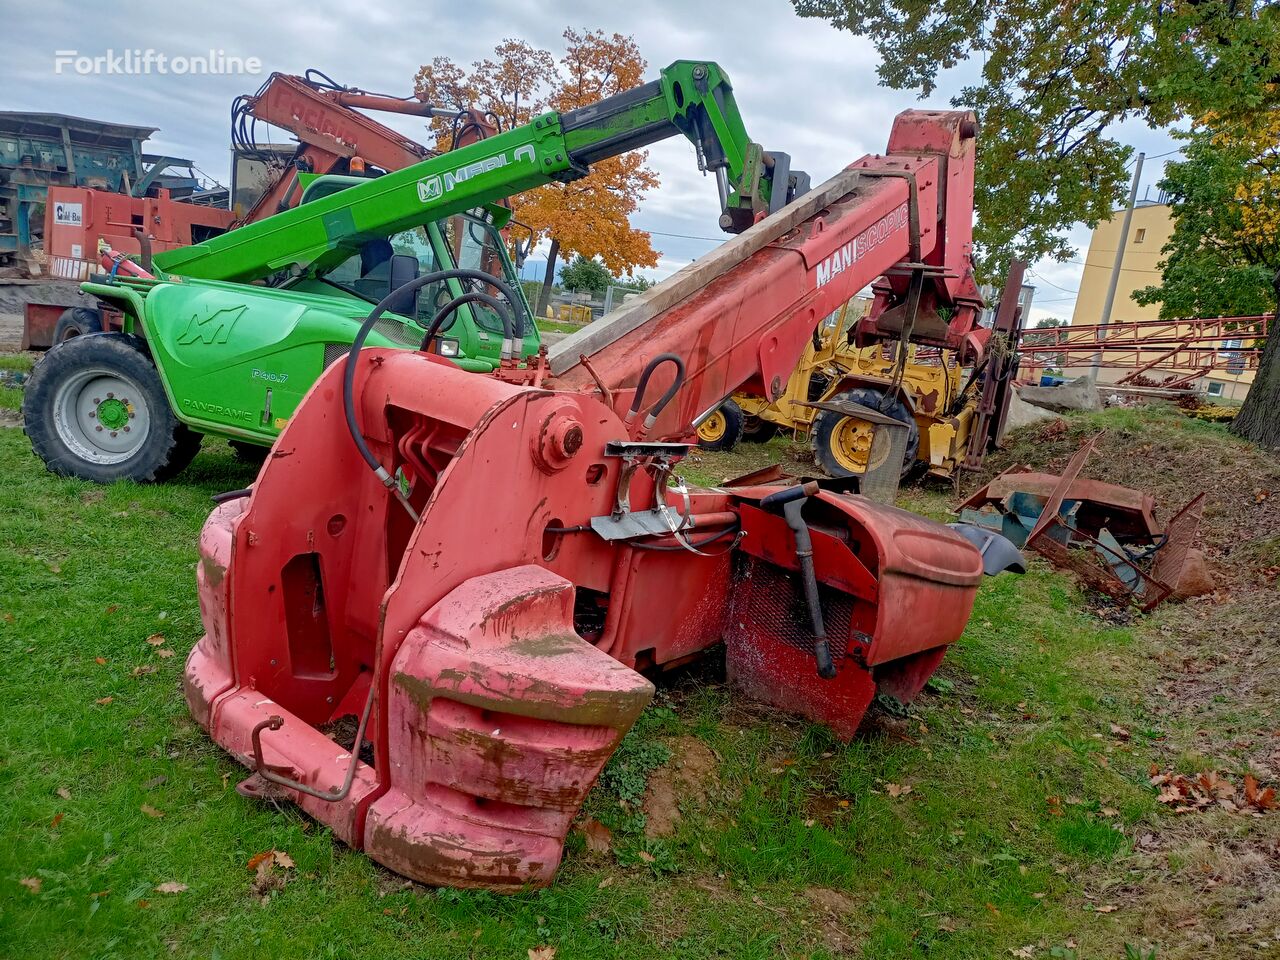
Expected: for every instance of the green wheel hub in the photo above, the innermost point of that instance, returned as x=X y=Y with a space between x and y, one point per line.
x=112 y=413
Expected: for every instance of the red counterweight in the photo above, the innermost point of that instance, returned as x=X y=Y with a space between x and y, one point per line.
x=493 y=637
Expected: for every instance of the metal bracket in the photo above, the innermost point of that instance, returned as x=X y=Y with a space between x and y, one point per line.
x=659 y=520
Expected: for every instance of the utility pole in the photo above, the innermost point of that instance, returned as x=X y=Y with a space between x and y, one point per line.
x=1115 y=268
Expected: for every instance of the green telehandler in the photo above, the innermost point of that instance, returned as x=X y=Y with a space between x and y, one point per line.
x=226 y=336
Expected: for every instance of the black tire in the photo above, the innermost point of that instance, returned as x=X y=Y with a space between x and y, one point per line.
x=253 y=454
x=827 y=424
x=727 y=422
x=756 y=430
x=59 y=404
x=76 y=322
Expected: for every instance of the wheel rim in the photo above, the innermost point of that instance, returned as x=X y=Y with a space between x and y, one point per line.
x=713 y=428
x=101 y=416
x=851 y=442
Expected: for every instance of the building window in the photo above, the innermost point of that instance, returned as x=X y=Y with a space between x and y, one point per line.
x=1215 y=388
x=1140 y=235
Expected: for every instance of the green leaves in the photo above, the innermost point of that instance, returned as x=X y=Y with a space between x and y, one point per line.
x=1213 y=266
x=1055 y=77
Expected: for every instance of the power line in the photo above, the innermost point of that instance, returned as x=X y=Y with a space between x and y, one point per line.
x=1051 y=283
x=686 y=236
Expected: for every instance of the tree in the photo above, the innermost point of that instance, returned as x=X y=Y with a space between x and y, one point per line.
x=1223 y=257
x=1213 y=266
x=588 y=217
x=1055 y=77
x=583 y=274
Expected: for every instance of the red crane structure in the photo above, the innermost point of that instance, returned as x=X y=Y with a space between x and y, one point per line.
x=1182 y=350
x=483 y=569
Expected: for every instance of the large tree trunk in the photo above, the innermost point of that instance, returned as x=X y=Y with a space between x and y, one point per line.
x=1259 y=418
x=544 y=298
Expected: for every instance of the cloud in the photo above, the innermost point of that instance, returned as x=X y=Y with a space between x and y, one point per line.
x=803 y=87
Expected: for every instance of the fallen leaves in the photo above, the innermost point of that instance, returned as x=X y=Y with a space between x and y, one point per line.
x=897 y=789
x=266 y=880
x=143 y=670
x=1119 y=732
x=32 y=883
x=1054 y=802
x=1261 y=799
x=156 y=640
x=164 y=652
x=169 y=886
x=599 y=838
x=53 y=824
x=103 y=701
x=1106 y=908
x=151 y=811
x=1189 y=794
x=64 y=793
x=100 y=661
x=542 y=953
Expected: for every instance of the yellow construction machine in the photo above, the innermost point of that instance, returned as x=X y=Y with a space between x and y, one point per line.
x=929 y=390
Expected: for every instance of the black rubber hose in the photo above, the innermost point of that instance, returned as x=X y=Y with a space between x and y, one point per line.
x=349 y=374
x=474 y=296
x=231 y=495
x=638 y=401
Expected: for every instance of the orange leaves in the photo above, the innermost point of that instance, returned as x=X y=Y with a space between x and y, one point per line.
x=265 y=878
x=589 y=216
x=1188 y=794
x=1261 y=799
x=170 y=886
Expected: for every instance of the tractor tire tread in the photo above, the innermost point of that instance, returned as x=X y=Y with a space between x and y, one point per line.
x=170 y=446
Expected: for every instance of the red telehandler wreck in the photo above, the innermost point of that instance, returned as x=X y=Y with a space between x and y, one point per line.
x=483 y=568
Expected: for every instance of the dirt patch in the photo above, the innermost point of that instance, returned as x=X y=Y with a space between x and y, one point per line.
x=686 y=779
x=833 y=908
x=832 y=901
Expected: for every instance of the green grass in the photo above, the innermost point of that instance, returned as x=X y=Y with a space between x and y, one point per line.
x=975 y=861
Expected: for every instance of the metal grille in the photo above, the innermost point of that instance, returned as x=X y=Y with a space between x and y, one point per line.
x=334 y=351
x=1180 y=534
x=888 y=450
x=770 y=601
x=396 y=331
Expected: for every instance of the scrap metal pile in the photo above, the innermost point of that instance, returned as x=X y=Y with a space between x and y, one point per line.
x=1107 y=534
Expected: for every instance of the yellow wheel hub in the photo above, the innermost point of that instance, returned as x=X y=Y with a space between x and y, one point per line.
x=851 y=445
x=713 y=428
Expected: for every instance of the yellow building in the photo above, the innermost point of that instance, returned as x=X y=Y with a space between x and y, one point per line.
x=1149 y=230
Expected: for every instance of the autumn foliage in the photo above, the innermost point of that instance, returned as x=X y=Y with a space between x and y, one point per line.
x=589 y=216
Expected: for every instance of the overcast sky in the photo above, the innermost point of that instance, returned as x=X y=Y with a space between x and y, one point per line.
x=803 y=87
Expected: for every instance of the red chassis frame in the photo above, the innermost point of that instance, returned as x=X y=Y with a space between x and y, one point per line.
x=494 y=642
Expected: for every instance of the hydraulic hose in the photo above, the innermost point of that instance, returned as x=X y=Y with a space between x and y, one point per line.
x=643 y=385
x=349 y=374
x=509 y=348
x=792 y=500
